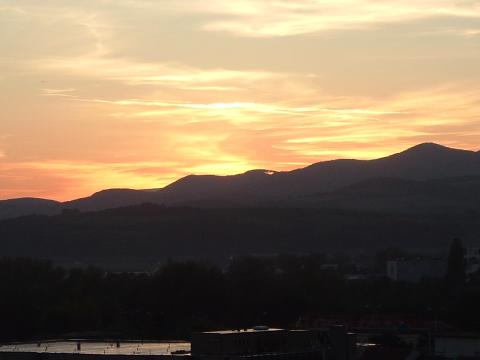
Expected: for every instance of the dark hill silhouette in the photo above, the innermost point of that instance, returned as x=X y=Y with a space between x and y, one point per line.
x=421 y=162
x=22 y=206
x=430 y=161
x=111 y=198
x=445 y=195
x=424 y=162
x=138 y=237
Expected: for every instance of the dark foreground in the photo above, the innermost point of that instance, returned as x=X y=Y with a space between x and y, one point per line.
x=39 y=300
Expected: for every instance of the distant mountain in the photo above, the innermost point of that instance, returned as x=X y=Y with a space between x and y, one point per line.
x=421 y=162
x=112 y=198
x=23 y=206
x=405 y=176
x=446 y=195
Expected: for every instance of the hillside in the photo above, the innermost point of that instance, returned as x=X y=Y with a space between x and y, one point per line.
x=407 y=169
x=147 y=234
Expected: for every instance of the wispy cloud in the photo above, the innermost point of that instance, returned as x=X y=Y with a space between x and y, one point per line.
x=12 y=9
x=58 y=92
x=273 y=18
x=73 y=178
x=228 y=138
x=137 y=93
x=170 y=75
x=259 y=18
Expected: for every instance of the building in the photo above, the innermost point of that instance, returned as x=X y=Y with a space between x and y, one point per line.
x=413 y=270
x=472 y=259
x=416 y=270
x=265 y=343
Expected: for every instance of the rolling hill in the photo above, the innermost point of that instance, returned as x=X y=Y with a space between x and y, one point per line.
x=402 y=181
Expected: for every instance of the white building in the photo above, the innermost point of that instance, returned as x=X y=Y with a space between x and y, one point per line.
x=416 y=270
x=472 y=259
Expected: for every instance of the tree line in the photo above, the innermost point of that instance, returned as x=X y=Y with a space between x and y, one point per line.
x=40 y=300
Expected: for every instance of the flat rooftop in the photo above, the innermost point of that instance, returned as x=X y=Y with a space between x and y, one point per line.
x=101 y=347
x=243 y=331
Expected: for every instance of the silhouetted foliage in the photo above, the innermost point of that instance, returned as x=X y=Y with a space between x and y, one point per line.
x=132 y=238
x=456 y=264
x=39 y=300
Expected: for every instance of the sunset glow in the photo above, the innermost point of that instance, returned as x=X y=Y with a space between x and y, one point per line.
x=138 y=93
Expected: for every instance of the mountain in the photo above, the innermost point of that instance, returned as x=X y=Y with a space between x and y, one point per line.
x=111 y=198
x=421 y=162
x=23 y=206
x=335 y=180
x=445 y=195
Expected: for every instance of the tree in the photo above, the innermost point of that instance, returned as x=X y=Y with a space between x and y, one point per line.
x=456 y=265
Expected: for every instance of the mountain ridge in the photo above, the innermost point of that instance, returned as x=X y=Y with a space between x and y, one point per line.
x=422 y=162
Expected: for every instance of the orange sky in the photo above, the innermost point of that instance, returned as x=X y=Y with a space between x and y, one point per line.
x=98 y=94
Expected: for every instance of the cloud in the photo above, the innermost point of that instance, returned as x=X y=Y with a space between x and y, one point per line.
x=228 y=138
x=302 y=130
x=137 y=93
x=30 y=31
x=271 y=18
x=59 y=92
x=277 y=18
x=12 y=9
x=3 y=138
x=138 y=73
x=75 y=178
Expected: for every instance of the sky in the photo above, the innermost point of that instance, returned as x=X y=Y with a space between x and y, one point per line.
x=98 y=94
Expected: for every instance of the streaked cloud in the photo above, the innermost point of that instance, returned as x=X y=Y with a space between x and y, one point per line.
x=263 y=17
x=58 y=92
x=257 y=18
x=99 y=94
x=134 y=73
x=75 y=177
